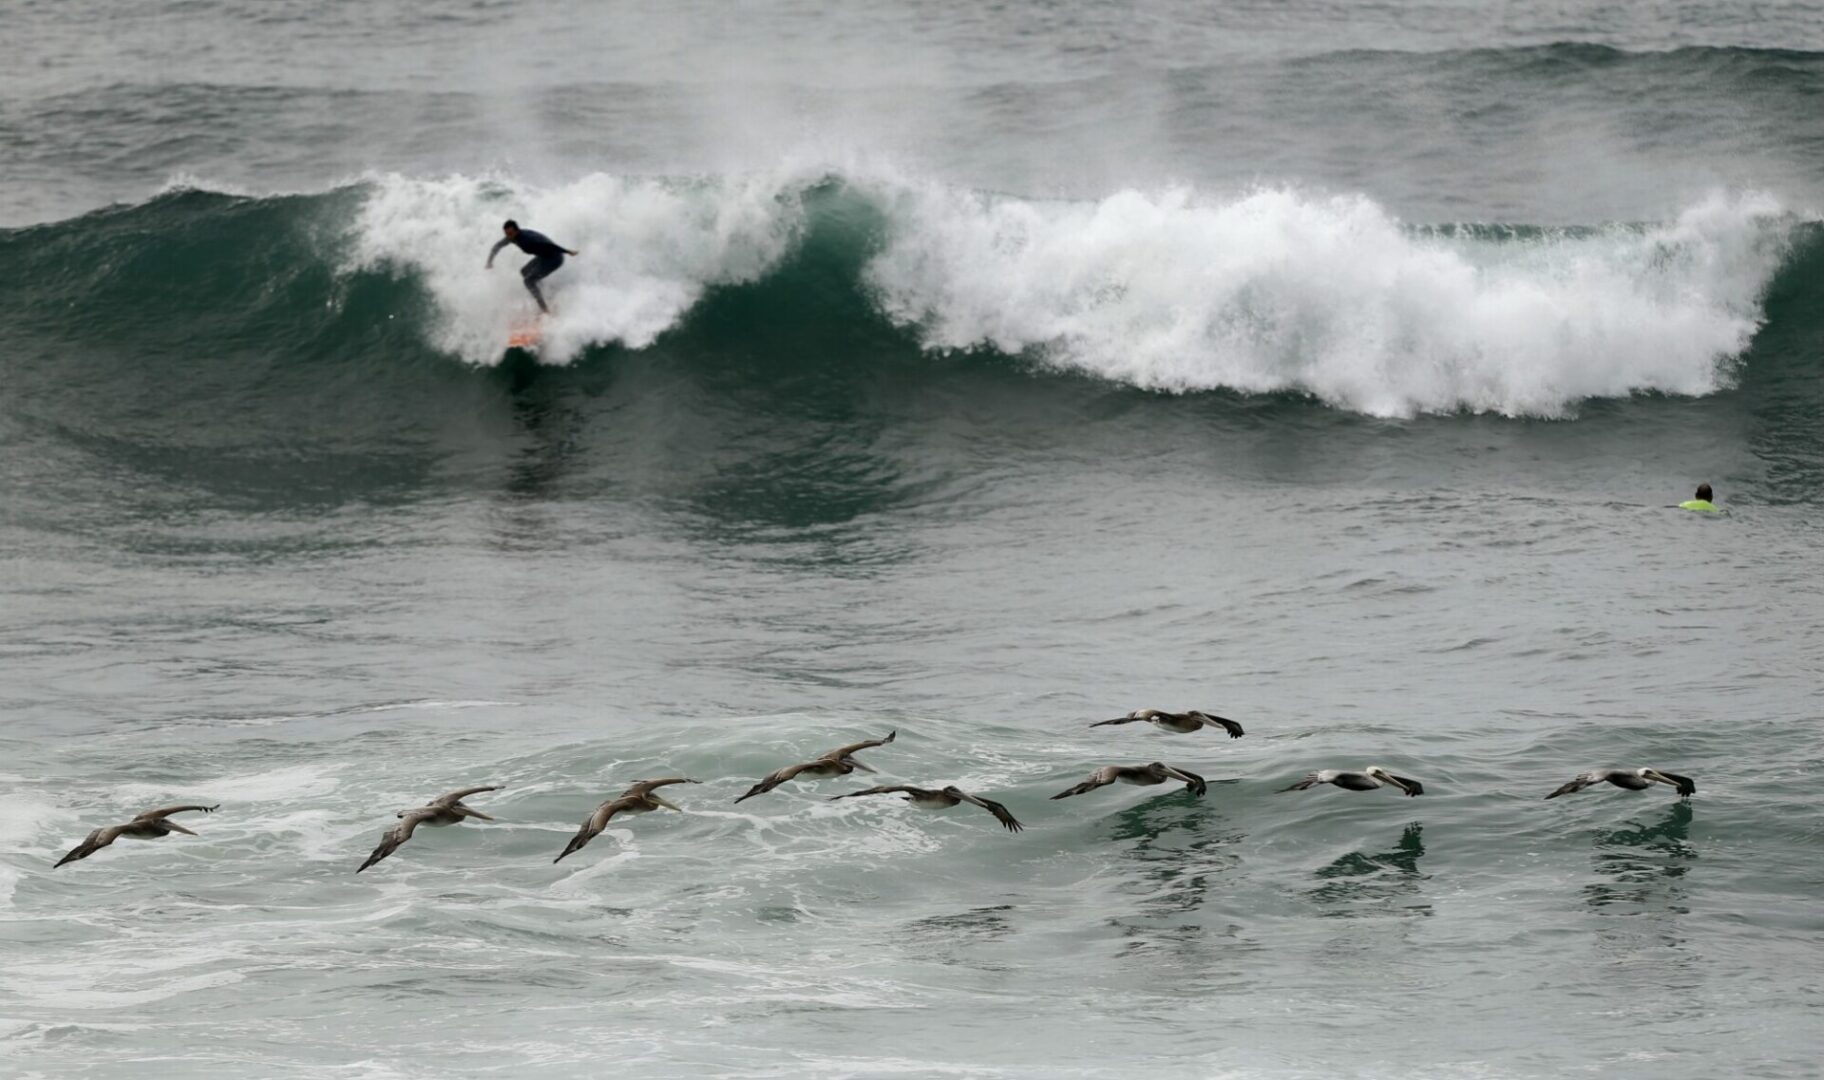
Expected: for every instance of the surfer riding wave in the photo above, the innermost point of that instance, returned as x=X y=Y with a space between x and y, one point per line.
x=547 y=256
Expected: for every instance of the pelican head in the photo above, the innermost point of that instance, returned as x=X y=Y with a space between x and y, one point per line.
x=1684 y=786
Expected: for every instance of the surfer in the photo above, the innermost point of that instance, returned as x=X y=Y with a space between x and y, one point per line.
x=547 y=256
x=1702 y=503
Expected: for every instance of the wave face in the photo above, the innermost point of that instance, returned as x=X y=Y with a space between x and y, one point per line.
x=1267 y=291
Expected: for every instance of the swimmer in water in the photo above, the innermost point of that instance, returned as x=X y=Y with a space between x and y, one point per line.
x=1701 y=503
x=547 y=256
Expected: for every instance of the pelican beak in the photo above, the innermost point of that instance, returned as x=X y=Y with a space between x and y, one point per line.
x=175 y=827
x=475 y=814
x=1682 y=788
x=863 y=768
x=667 y=805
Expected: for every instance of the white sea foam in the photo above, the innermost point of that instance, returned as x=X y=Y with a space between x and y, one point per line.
x=1278 y=290
x=649 y=250
x=272 y=785
x=1266 y=291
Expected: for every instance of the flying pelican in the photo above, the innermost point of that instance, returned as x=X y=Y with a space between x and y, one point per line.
x=1156 y=773
x=638 y=799
x=1367 y=780
x=940 y=799
x=1180 y=722
x=443 y=810
x=148 y=826
x=838 y=762
x=1632 y=779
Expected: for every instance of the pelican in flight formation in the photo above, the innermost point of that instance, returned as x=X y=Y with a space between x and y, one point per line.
x=1632 y=779
x=940 y=799
x=641 y=798
x=148 y=826
x=443 y=810
x=838 y=762
x=1367 y=780
x=1182 y=723
x=1144 y=775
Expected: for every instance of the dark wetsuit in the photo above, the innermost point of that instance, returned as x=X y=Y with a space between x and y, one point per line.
x=546 y=257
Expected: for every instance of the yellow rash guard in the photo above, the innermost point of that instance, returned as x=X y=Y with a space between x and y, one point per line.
x=1702 y=506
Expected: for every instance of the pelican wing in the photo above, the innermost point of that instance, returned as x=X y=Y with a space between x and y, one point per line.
x=395 y=836
x=595 y=823
x=844 y=751
x=92 y=843
x=643 y=788
x=166 y=811
x=1582 y=781
x=1102 y=777
x=455 y=797
x=1211 y=720
x=1192 y=780
x=1001 y=813
x=1685 y=785
x=775 y=780
x=1310 y=780
x=883 y=789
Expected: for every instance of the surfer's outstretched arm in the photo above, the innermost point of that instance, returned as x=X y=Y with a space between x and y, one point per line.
x=495 y=250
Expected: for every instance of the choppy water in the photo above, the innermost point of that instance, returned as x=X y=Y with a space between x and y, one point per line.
x=974 y=373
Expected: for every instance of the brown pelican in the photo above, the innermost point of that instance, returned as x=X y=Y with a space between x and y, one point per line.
x=940 y=799
x=1180 y=722
x=148 y=826
x=837 y=762
x=1367 y=780
x=443 y=810
x=1632 y=779
x=638 y=799
x=1156 y=773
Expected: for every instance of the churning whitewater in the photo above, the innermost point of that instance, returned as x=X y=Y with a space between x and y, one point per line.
x=1265 y=291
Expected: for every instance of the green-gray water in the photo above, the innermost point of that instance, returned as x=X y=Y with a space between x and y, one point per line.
x=972 y=373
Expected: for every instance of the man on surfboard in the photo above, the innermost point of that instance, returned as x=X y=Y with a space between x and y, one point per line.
x=546 y=254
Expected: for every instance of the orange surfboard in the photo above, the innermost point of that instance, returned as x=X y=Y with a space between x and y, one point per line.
x=525 y=335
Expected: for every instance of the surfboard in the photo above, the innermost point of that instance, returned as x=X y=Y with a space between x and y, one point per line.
x=526 y=335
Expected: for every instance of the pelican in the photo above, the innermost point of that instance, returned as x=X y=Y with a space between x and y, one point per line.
x=638 y=799
x=940 y=799
x=1145 y=775
x=443 y=810
x=838 y=762
x=1182 y=723
x=148 y=826
x=1632 y=779
x=1367 y=780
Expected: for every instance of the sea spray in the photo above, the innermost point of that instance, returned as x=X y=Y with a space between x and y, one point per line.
x=649 y=249
x=1277 y=290
x=1272 y=291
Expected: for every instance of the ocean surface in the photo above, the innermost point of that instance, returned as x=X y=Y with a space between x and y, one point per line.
x=970 y=371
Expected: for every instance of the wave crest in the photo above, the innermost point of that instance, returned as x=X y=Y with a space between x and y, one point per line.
x=1279 y=291
x=649 y=250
